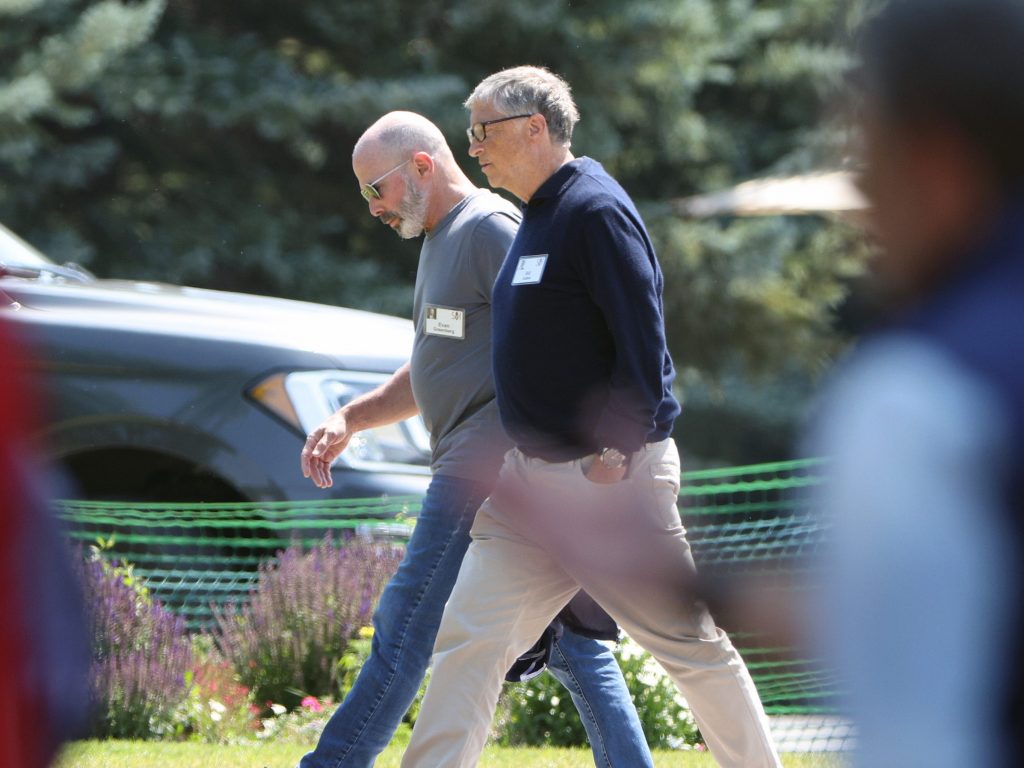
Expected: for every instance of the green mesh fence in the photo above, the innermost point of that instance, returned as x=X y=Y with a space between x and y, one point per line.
x=756 y=521
x=740 y=521
x=197 y=556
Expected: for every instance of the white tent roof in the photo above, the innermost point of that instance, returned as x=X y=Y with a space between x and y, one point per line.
x=816 y=193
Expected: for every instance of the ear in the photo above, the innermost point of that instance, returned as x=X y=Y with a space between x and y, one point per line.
x=536 y=126
x=423 y=163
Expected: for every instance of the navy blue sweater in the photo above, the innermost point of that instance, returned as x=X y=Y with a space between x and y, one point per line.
x=580 y=361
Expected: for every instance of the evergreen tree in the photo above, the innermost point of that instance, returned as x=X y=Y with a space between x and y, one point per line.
x=210 y=143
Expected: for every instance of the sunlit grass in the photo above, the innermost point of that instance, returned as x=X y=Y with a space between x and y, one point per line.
x=154 y=754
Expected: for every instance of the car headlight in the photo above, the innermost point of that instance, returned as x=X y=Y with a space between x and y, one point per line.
x=305 y=399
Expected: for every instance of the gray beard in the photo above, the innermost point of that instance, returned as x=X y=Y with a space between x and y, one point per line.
x=412 y=211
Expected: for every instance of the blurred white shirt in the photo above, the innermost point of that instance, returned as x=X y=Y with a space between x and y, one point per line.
x=912 y=611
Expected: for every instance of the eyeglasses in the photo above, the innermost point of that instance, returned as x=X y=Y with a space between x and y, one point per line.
x=478 y=131
x=370 y=191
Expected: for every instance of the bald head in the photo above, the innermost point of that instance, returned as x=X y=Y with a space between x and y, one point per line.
x=415 y=179
x=398 y=135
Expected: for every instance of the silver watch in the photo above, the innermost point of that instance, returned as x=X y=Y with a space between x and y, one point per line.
x=612 y=458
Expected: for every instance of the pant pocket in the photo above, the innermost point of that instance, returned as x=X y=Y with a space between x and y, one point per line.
x=663 y=484
x=666 y=474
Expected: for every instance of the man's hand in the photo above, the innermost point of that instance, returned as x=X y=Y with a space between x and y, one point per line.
x=323 y=446
x=390 y=402
x=599 y=473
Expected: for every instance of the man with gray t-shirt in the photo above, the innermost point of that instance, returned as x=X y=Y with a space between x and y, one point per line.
x=451 y=356
x=412 y=183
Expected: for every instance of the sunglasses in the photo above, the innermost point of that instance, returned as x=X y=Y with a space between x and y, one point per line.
x=370 y=191
x=478 y=131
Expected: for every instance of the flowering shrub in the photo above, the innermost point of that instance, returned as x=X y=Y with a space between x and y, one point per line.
x=302 y=725
x=541 y=711
x=287 y=641
x=141 y=653
x=219 y=709
x=215 y=679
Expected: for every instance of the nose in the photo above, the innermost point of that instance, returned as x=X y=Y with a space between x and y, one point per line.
x=475 y=148
x=376 y=207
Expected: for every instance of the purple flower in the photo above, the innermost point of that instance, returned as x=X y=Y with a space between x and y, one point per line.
x=140 y=654
x=298 y=621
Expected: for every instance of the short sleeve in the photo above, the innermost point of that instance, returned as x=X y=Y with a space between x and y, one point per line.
x=491 y=239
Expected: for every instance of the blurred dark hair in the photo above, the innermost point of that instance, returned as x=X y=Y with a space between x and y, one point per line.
x=955 y=62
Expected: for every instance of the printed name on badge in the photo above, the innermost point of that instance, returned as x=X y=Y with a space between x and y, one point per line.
x=444 y=321
x=529 y=270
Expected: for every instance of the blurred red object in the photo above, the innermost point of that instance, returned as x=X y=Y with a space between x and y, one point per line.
x=43 y=646
x=23 y=727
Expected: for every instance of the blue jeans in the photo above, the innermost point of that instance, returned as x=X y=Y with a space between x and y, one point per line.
x=406 y=623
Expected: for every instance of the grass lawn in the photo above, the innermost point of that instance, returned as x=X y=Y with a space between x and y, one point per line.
x=154 y=754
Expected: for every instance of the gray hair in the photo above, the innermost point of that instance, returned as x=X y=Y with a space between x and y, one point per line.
x=530 y=89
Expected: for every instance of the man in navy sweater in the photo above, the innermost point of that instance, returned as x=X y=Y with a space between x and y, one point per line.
x=587 y=497
x=922 y=613
x=411 y=182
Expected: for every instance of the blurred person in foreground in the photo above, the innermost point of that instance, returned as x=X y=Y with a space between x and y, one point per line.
x=922 y=611
x=43 y=647
x=587 y=497
x=411 y=182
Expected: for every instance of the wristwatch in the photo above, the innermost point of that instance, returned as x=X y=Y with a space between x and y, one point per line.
x=612 y=458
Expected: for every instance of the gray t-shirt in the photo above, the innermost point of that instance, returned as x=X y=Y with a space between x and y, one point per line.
x=451 y=357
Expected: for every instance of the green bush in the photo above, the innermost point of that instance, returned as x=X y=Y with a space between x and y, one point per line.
x=541 y=711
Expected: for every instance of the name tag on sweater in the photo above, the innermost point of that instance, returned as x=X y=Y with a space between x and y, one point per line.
x=442 y=321
x=529 y=270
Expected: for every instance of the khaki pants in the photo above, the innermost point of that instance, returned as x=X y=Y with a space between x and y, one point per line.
x=546 y=532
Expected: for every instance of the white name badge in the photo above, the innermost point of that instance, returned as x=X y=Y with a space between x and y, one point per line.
x=529 y=270
x=444 y=321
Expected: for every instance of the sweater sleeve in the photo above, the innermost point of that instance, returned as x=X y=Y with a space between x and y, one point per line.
x=624 y=281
